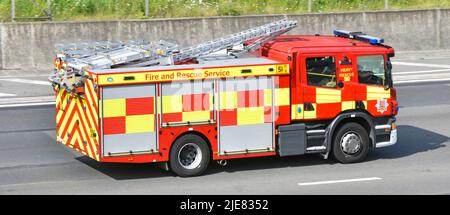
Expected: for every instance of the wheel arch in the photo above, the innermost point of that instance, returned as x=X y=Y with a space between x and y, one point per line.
x=359 y=117
x=200 y=134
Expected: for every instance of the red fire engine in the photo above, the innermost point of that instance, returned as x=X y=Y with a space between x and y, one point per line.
x=265 y=95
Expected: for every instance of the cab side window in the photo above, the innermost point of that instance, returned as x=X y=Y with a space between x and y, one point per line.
x=321 y=71
x=371 y=70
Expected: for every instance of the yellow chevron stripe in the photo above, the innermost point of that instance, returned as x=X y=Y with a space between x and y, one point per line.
x=80 y=140
x=83 y=128
x=94 y=99
x=69 y=129
x=62 y=105
x=69 y=110
x=83 y=138
x=89 y=124
x=90 y=121
x=73 y=140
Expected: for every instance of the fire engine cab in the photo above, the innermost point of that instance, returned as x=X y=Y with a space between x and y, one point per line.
x=251 y=94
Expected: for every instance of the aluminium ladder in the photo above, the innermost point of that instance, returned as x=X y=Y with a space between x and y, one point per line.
x=106 y=54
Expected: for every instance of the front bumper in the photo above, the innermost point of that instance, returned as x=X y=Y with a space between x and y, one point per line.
x=392 y=141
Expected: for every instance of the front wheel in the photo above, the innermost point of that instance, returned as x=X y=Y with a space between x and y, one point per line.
x=189 y=156
x=351 y=143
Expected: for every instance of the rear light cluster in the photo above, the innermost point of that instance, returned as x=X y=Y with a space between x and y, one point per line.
x=58 y=63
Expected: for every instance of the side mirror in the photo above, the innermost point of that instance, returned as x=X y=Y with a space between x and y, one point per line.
x=340 y=84
x=388 y=81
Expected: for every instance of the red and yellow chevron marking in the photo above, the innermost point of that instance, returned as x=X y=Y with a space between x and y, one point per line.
x=77 y=120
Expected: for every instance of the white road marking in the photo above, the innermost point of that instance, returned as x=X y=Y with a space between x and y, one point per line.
x=7 y=95
x=27 y=81
x=421 y=64
x=339 y=181
x=421 y=72
x=23 y=76
x=27 y=104
x=421 y=81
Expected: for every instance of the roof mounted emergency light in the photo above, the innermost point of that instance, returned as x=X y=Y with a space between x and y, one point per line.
x=358 y=36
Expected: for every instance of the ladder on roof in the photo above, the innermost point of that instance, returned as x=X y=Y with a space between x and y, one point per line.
x=106 y=55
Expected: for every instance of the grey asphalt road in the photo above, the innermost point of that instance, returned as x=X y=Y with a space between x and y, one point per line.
x=32 y=162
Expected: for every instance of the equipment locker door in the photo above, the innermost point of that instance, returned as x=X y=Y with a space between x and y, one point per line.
x=246 y=117
x=128 y=119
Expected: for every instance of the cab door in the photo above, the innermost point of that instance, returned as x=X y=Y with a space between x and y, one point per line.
x=347 y=80
x=326 y=80
x=371 y=93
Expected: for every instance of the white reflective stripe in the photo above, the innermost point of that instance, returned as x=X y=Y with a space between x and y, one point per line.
x=315 y=131
x=379 y=127
x=316 y=148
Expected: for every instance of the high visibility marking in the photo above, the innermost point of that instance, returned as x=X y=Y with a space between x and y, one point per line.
x=282 y=97
x=196 y=116
x=74 y=118
x=172 y=104
x=374 y=93
x=114 y=108
x=310 y=114
x=328 y=96
x=140 y=123
x=421 y=64
x=192 y=74
x=27 y=81
x=348 y=105
x=250 y=115
x=297 y=111
x=339 y=181
x=228 y=100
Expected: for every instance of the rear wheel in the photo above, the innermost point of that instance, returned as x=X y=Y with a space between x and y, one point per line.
x=351 y=143
x=189 y=156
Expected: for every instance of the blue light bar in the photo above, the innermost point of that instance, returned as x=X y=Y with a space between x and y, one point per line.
x=358 y=36
x=369 y=39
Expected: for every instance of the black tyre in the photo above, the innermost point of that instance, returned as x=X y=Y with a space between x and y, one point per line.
x=189 y=156
x=351 y=143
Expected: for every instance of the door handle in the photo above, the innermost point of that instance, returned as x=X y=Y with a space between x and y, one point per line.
x=308 y=107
